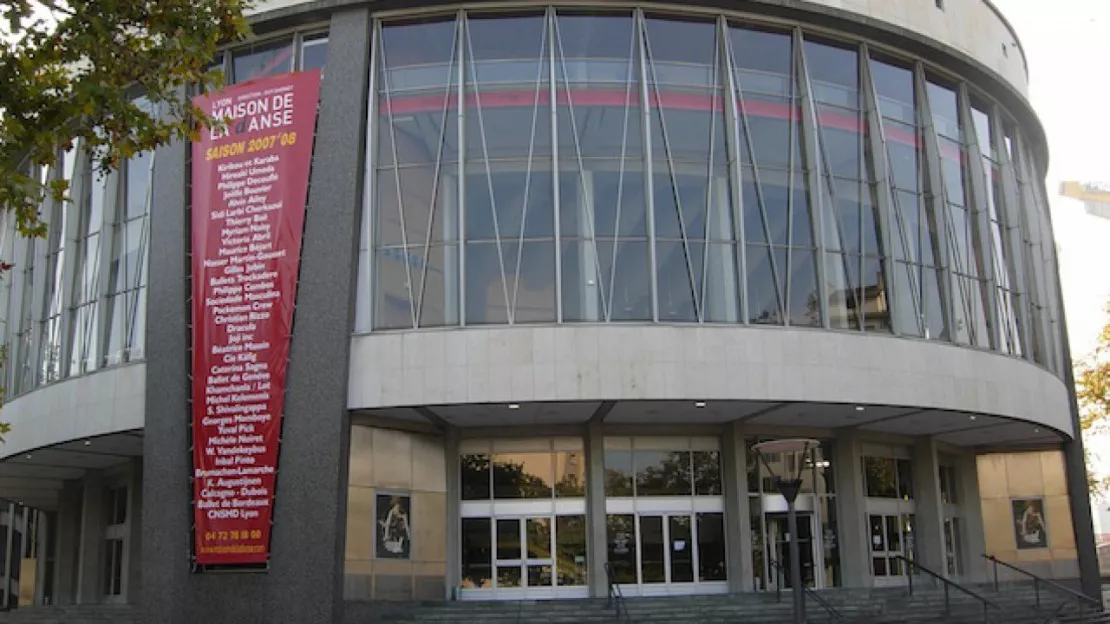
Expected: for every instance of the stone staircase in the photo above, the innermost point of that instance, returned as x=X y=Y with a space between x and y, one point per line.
x=1016 y=604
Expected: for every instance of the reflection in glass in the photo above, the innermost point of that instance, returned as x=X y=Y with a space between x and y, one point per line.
x=711 y=547
x=881 y=477
x=508 y=576
x=830 y=543
x=560 y=180
x=570 y=474
x=682 y=549
x=707 y=473
x=262 y=61
x=620 y=539
x=570 y=550
x=522 y=475
x=539 y=576
x=508 y=540
x=539 y=538
x=476 y=552
x=618 y=473
x=662 y=473
x=653 y=568
x=475 y=476
x=905 y=479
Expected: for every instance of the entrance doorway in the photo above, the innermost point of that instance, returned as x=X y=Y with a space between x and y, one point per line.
x=656 y=554
x=778 y=543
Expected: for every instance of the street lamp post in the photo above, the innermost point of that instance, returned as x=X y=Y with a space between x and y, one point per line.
x=788 y=486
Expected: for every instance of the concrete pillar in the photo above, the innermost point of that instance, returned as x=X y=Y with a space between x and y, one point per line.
x=453 y=578
x=90 y=550
x=973 y=542
x=134 y=553
x=929 y=515
x=851 y=508
x=66 y=540
x=738 y=522
x=44 y=538
x=597 y=551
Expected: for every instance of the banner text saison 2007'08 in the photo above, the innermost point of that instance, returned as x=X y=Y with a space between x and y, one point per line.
x=249 y=187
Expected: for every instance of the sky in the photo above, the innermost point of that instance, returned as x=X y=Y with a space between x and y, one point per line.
x=1067 y=44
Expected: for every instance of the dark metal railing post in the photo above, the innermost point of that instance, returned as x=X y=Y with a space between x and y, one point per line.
x=909 y=575
x=947 y=601
x=1037 y=591
x=994 y=563
x=986 y=614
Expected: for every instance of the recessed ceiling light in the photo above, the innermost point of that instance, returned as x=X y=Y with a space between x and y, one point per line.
x=514 y=405
x=699 y=403
x=88 y=442
x=972 y=417
x=860 y=408
x=1036 y=430
x=27 y=456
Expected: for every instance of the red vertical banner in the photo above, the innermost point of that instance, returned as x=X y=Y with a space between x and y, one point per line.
x=249 y=189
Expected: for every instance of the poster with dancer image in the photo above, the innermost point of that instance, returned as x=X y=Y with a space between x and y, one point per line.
x=1030 y=530
x=393 y=526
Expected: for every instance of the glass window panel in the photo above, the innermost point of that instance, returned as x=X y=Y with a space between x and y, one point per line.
x=314 y=52
x=766 y=125
x=653 y=567
x=531 y=270
x=587 y=43
x=582 y=292
x=539 y=576
x=711 y=547
x=475 y=477
x=676 y=291
x=509 y=540
x=677 y=41
x=570 y=474
x=805 y=306
x=895 y=88
x=842 y=275
x=680 y=205
x=570 y=550
x=801 y=225
x=840 y=142
x=719 y=283
x=903 y=156
x=880 y=477
x=682 y=549
x=877 y=531
x=935 y=322
x=834 y=72
x=618 y=473
x=905 y=479
x=620 y=539
x=509 y=205
x=878 y=566
x=436 y=285
x=626 y=275
x=538 y=531
x=662 y=473
x=487 y=290
x=771 y=216
x=138 y=187
x=874 y=297
x=262 y=61
x=392 y=309
x=509 y=576
x=893 y=534
x=412 y=207
x=707 y=473
x=618 y=206
x=763 y=60
x=476 y=553
x=942 y=105
x=416 y=130
x=522 y=475
x=505 y=39
x=765 y=284
x=501 y=124
x=694 y=133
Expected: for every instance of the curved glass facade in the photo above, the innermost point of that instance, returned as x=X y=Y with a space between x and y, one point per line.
x=566 y=167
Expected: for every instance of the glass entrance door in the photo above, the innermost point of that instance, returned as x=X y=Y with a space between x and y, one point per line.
x=656 y=554
x=778 y=544
x=524 y=559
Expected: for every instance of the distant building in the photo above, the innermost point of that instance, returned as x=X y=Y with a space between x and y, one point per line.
x=1094 y=195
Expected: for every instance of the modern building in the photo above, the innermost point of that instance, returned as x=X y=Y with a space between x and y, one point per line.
x=1094 y=195
x=563 y=265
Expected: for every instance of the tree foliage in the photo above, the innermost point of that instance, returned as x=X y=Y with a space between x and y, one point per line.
x=1092 y=389
x=70 y=70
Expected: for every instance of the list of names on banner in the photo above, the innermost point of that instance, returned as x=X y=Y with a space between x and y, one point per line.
x=249 y=184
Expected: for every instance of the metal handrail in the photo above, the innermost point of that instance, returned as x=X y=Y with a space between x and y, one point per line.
x=833 y=613
x=615 y=595
x=1038 y=580
x=988 y=604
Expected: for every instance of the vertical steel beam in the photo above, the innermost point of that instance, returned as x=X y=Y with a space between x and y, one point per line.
x=977 y=198
x=811 y=149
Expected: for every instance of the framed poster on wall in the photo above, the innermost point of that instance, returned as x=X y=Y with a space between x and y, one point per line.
x=1030 y=530
x=393 y=526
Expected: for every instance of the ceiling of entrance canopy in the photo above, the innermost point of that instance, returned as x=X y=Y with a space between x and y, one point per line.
x=958 y=428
